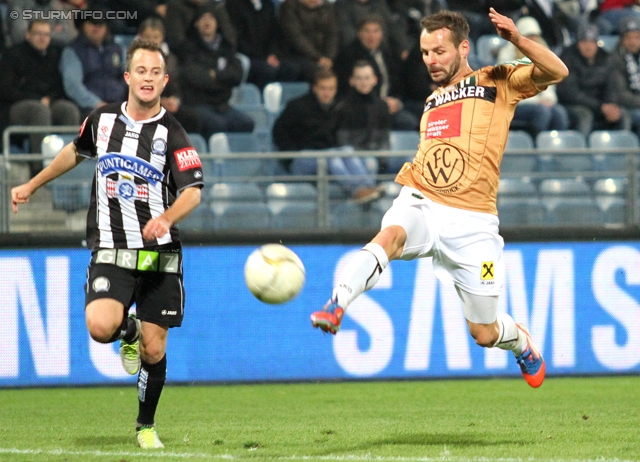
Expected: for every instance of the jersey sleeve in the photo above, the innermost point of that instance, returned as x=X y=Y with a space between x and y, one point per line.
x=85 y=141
x=184 y=161
x=520 y=84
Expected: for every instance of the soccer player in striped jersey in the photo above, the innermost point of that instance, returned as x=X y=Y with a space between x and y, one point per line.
x=148 y=177
x=447 y=206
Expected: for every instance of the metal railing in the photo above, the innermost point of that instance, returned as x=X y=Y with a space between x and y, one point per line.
x=322 y=178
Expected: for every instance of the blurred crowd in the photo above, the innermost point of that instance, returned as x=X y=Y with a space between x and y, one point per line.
x=361 y=58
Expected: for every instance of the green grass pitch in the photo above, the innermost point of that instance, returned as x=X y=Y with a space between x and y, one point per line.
x=567 y=419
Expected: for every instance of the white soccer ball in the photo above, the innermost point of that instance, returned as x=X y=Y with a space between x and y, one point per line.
x=274 y=273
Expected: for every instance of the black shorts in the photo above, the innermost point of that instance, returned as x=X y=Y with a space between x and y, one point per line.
x=159 y=296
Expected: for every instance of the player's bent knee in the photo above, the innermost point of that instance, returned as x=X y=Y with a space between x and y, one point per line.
x=100 y=331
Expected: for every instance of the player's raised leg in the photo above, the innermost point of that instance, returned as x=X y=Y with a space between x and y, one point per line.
x=361 y=274
x=504 y=333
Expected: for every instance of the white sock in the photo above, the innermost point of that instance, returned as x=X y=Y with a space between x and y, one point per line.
x=360 y=274
x=510 y=337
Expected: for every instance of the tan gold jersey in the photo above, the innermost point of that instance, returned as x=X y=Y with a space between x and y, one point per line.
x=463 y=132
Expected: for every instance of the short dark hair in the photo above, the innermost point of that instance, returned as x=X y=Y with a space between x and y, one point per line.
x=451 y=20
x=323 y=74
x=153 y=23
x=139 y=44
x=33 y=22
x=359 y=64
x=371 y=18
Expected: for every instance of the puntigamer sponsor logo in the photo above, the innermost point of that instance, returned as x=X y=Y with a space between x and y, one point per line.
x=120 y=163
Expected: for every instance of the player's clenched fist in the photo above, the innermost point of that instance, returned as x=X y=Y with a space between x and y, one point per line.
x=20 y=195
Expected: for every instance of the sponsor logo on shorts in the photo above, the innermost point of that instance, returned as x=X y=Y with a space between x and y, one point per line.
x=168 y=313
x=101 y=284
x=487 y=272
x=187 y=159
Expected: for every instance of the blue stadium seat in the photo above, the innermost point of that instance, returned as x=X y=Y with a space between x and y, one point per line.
x=72 y=191
x=198 y=142
x=610 y=195
x=603 y=141
x=227 y=143
x=200 y=219
x=401 y=140
x=517 y=187
x=557 y=142
x=52 y=144
x=246 y=94
x=487 y=48
x=519 y=211
x=519 y=163
x=348 y=215
x=568 y=201
x=243 y=216
x=292 y=205
x=276 y=95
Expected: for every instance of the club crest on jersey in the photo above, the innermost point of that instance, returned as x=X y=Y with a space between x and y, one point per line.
x=125 y=188
x=102 y=134
x=187 y=158
x=121 y=163
x=159 y=147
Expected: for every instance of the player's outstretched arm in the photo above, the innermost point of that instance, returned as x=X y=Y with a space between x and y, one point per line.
x=549 y=68
x=66 y=159
x=188 y=200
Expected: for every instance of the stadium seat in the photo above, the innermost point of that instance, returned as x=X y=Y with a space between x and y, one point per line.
x=519 y=211
x=610 y=195
x=568 y=201
x=519 y=163
x=556 y=143
x=243 y=216
x=292 y=205
x=276 y=95
x=348 y=215
x=52 y=144
x=487 y=48
x=517 y=187
x=602 y=141
x=200 y=219
x=198 y=142
x=227 y=143
x=245 y=94
x=124 y=40
x=72 y=191
x=229 y=192
x=401 y=140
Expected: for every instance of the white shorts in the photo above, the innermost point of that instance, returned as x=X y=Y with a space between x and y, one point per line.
x=465 y=245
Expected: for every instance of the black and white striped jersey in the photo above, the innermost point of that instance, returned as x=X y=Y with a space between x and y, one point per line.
x=140 y=168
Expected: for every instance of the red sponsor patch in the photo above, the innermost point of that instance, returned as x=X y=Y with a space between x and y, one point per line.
x=187 y=158
x=82 y=126
x=444 y=122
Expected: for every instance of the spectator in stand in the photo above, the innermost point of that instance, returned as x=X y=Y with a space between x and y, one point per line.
x=311 y=33
x=590 y=94
x=210 y=70
x=310 y=122
x=259 y=38
x=369 y=45
x=352 y=12
x=63 y=31
x=542 y=111
x=416 y=81
x=364 y=121
x=92 y=67
x=131 y=13
x=179 y=17
x=32 y=87
x=612 y=12
x=152 y=29
x=627 y=65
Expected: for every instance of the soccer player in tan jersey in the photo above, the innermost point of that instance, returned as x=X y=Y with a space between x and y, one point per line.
x=447 y=206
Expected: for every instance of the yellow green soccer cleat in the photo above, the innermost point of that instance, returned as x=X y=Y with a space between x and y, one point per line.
x=130 y=352
x=148 y=438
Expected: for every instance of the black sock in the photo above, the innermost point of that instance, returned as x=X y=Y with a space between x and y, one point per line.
x=150 y=383
x=127 y=331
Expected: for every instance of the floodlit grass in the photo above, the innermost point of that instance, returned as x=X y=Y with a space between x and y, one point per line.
x=567 y=419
